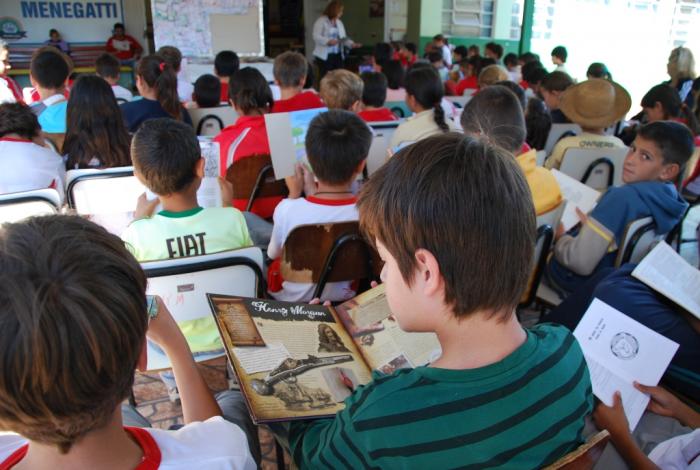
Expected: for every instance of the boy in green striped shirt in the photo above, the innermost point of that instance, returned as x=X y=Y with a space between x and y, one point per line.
x=452 y=217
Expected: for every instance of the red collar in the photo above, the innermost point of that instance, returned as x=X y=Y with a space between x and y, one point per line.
x=332 y=202
x=14 y=139
x=151 y=453
x=246 y=121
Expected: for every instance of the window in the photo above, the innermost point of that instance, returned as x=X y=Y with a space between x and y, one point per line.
x=482 y=18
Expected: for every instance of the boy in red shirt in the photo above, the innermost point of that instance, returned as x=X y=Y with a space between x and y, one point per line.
x=122 y=45
x=373 y=97
x=226 y=63
x=290 y=75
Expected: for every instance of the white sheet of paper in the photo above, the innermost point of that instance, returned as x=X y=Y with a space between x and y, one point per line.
x=576 y=194
x=619 y=351
x=260 y=359
x=209 y=192
x=670 y=274
x=282 y=153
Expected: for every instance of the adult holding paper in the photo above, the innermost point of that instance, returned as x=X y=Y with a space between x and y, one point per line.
x=330 y=39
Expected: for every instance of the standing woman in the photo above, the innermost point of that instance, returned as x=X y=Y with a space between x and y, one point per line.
x=681 y=69
x=330 y=38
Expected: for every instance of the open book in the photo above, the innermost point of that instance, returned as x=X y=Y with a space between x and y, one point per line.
x=619 y=351
x=576 y=195
x=296 y=361
x=669 y=274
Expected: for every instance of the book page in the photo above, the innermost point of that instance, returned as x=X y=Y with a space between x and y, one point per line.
x=305 y=362
x=385 y=346
x=576 y=194
x=209 y=192
x=619 y=351
x=668 y=273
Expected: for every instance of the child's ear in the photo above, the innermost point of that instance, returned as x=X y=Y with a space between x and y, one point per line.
x=199 y=167
x=302 y=81
x=356 y=106
x=428 y=272
x=669 y=172
x=277 y=82
x=361 y=167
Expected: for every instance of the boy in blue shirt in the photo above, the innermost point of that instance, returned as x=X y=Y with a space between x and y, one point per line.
x=49 y=72
x=656 y=158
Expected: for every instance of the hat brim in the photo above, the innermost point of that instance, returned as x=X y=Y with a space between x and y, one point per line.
x=623 y=103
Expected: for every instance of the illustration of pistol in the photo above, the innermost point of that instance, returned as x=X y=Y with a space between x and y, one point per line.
x=290 y=369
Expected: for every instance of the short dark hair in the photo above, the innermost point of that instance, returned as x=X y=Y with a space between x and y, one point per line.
x=290 y=69
x=667 y=96
x=165 y=152
x=533 y=72
x=673 y=139
x=207 y=91
x=172 y=56
x=598 y=70
x=374 y=89
x=462 y=51
x=53 y=30
x=435 y=56
x=107 y=66
x=495 y=48
x=447 y=194
x=411 y=47
x=560 y=52
x=394 y=73
x=510 y=59
x=73 y=327
x=527 y=57
x=439 y=37
x=18 y=118
x=382 y=53
x=50 y=68
x=538 y=122
x=517 y=91
x=336 y=143
x=226 y=63
x=249 y=90
x=557 y=81
x=474 y=48
x=118 y=25
x=496 y=113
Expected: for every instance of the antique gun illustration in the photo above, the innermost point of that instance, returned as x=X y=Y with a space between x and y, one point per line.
x=289 y=369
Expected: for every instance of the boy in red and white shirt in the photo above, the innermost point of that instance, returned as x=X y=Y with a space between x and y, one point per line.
x=337 y=144
x=10 y=92
x=290 y=70
x=373 y=98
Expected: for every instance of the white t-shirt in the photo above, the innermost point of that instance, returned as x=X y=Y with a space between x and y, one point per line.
x=291 y=213
x=419 y=126
x=446 y=55
x=678 y=453
x=121 y=92
x=25 y=166
x=214 y=444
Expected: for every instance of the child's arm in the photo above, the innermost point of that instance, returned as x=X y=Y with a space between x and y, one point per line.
x=198 y=403
x=665 y=403
x=583 y=252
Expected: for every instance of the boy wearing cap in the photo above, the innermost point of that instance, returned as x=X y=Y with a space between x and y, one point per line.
x=655 y=159
x=594 y=105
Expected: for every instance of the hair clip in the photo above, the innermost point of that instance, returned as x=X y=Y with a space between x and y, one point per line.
x=161 y=66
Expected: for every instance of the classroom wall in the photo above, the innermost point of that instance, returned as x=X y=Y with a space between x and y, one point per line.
x=358 y=24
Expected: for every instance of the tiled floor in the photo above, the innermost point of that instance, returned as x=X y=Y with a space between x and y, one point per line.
x=153 y=403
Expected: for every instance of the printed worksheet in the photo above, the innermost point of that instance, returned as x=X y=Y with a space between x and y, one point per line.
x=620 y=351
x=576 y=195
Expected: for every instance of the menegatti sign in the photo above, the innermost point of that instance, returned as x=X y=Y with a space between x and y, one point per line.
x=79 y=21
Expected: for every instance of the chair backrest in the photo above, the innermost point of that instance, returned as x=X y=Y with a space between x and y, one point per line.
x=585 y=456
x=638 y=239
x=383 y=132
x=399 y=108
x=210 y=121
x=321 y=253
x=597 y=168
x=459 y=101
x=183 y=283
x=107 y=196
x=18 y=206
x=557 y=132
x=253 y=177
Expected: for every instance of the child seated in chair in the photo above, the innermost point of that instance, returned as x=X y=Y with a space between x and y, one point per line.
x=61 y=395
x=373 y=98
x=552 y=87
x=594 y=105
x=499 y=395
x=167 y=160
x=226 y=63
x=655 y=159
x=496 y=113
x=337 y=144
x=207 y=90
x=107 y=67
x=49 y=71
x=342 y=89
x=290 y=69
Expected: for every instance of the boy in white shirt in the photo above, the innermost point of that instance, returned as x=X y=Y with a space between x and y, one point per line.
x=107 y=67
x=337 y=144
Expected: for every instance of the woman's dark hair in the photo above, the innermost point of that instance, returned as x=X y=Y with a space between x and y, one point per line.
x=424 y=84
x=538 y=123
x=598 y=70
x=382 y=53
x=17 y=118
x=249 y=91
x=155 y=71
x=672 y=104
x=394 y=74
x=94 y=126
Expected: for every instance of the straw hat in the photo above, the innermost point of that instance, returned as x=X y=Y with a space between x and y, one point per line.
x=595 y=103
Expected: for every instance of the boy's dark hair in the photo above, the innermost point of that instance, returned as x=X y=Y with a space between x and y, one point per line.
x=53 y=30
x=172 y=56
x=517 y=91
x=118 y=25
x=447 y=194
x=382 y=53
x=527 y=57
x=440 y=37
x=18 y=118
x=560 y=52
x=510 y=60
x=165 y=152
x=598 y=70
x=461 y=50
x=207 y=91
x=533 y=72
x=673 y=139
x=290 y=69
x=50 y=68
x=485 y=62
x=107 y=66
x=310 y=76
x=557 y=81
x=374 y=89
x=336 y=143
x=496 y=113
x=411 y=47
x=435 y=56
x=249 y=90
x=394 y=73
x=424 y=84
x=73 y=327
x=496 y=48
x=475 y=49
x=538 y=122
x=226 y=63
